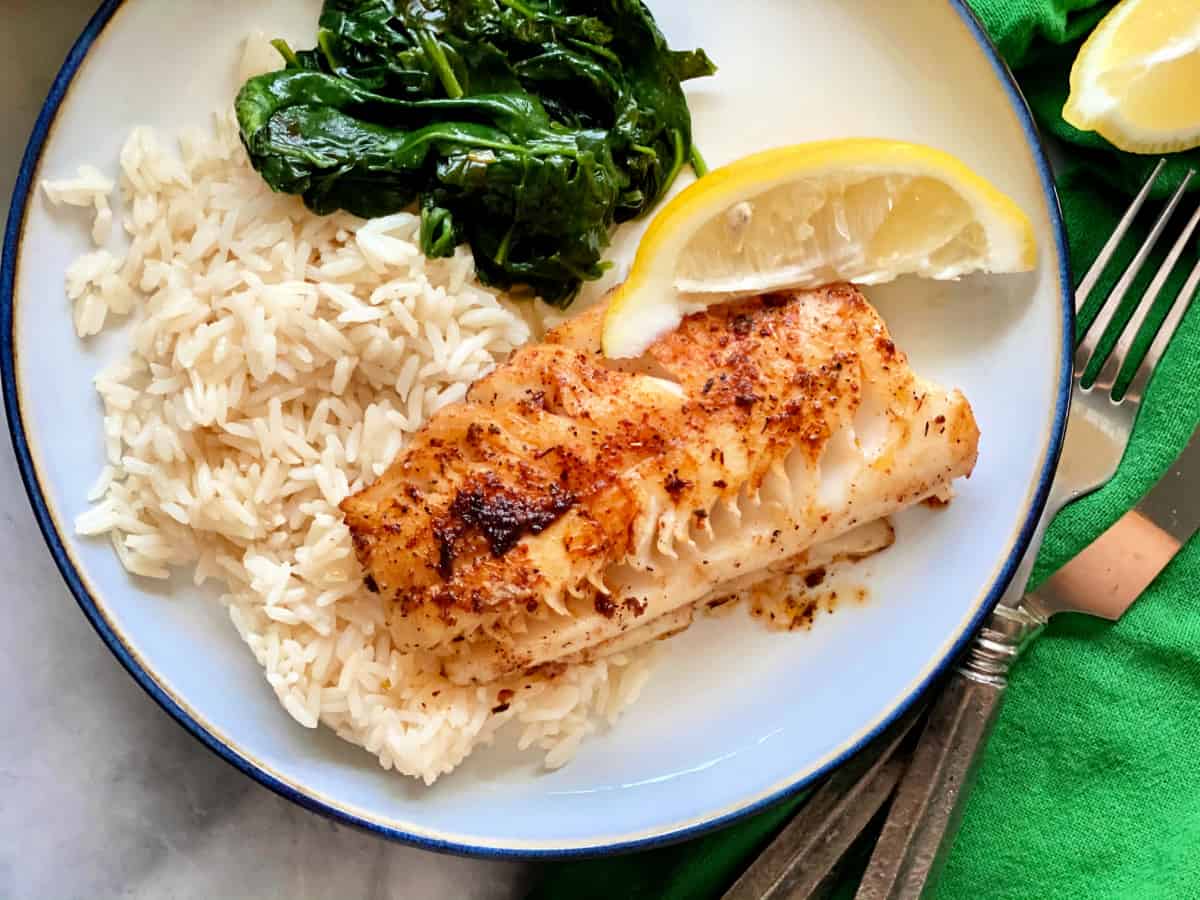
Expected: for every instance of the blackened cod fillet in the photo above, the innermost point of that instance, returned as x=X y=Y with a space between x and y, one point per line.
x=570 y=499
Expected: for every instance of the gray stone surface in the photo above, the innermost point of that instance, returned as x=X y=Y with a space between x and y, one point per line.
x=101 y=793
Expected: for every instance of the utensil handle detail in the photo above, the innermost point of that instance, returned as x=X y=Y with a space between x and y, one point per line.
x=803 y=861
x=1110 y=573
x=926 y=812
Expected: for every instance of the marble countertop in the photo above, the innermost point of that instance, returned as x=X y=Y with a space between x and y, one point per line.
x=101 y=793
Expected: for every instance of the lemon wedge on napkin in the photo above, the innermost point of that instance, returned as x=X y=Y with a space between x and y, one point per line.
x=862 y=210
x=1136 y=80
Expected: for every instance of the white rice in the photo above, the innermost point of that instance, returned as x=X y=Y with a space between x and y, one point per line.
x=89 y=187
x=278 y=362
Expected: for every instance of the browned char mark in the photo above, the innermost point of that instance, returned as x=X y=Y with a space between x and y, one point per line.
x=502 y=514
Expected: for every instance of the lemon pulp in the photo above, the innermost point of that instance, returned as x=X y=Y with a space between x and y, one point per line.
x=862 y=210
x=1135 y=79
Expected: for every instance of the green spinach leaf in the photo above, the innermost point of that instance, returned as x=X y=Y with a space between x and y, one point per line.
x=525 y=128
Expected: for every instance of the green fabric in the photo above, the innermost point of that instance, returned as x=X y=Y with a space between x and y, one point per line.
x=1089 y=786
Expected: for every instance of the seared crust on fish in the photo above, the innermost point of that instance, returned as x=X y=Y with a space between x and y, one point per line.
x=570 y=499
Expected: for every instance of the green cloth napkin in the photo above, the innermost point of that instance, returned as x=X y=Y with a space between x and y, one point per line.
x=1090 y=785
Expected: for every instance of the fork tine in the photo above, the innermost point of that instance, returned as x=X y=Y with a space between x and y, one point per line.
x=1116 y=362
x=1137 y=387
x=1094 y=333
x=1110 y=247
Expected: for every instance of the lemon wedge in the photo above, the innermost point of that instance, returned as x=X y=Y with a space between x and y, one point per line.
x=1136 y=80
x=862 y=210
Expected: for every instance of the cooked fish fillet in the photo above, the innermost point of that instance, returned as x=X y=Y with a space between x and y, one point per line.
x=858 y=543
x=570 y=499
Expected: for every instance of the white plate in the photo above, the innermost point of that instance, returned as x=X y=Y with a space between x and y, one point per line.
x=734 y=716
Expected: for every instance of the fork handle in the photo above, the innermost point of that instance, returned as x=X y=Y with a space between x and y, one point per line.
x=926 y=812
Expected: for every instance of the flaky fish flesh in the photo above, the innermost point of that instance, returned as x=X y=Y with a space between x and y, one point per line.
x=571 y=500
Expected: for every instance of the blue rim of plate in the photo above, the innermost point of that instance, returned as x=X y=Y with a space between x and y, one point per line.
x=8 y=268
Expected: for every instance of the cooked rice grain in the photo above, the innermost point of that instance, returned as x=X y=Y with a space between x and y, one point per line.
x=279 y=362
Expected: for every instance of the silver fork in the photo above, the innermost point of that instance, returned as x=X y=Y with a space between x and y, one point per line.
x=929 y=802
x=924 y=816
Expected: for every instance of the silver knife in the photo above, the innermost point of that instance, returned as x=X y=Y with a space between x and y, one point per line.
x=1103 y=580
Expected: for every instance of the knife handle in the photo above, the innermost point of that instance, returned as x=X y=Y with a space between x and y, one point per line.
x=926 y=812
x=1111 y=572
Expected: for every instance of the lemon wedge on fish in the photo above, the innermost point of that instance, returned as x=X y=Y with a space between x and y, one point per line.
x=862 y=210
x=1136 y=80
